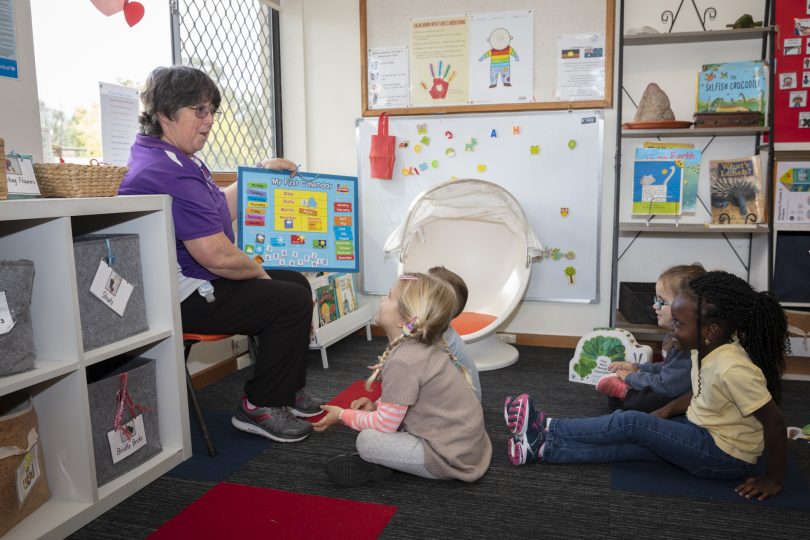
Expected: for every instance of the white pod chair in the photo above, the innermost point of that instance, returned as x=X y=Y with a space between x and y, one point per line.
x=478 y=230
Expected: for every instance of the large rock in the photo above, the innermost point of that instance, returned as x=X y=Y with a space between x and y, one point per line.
x=654 y=105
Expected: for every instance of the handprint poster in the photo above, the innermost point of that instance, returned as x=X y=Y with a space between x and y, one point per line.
x=501 y=57
x=439 y=61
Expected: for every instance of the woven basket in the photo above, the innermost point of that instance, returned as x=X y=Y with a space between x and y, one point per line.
x=3 y=181
x=71 y=180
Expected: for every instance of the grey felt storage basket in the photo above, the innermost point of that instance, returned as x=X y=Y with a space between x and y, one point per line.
x=100 y=324
x=104 y=384
x=17 y=345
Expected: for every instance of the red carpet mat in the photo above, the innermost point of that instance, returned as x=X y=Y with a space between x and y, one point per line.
x=233 y=511
x=356 y=390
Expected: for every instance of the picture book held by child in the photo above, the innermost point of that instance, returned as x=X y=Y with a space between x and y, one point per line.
x=427 y=422
x=717 y=430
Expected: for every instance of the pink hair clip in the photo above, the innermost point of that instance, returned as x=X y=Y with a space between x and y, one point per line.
x=408 y=277
x=409 y=327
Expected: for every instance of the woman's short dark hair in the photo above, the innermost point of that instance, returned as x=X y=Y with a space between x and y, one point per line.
x=169 y=89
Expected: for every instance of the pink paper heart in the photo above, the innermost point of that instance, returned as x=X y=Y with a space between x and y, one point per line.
x=108 y=7
x=133 y=12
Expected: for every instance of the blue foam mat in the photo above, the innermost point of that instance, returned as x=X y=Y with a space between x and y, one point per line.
x=234 y=448
x=666 y=479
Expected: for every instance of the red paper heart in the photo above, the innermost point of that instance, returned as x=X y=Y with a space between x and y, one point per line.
x=108 y=7
x=133 y=13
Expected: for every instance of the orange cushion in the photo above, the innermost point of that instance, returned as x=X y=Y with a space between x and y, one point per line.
x=204 y=337
x=470 y=322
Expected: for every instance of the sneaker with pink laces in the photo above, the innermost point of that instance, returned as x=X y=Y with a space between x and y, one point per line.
x=528 y=428
x=612 y=386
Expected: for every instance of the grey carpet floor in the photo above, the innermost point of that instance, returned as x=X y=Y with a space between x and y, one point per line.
x=539 y=501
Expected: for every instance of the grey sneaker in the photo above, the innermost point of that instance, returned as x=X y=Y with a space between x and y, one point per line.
x=306 y=405
x=275 y=423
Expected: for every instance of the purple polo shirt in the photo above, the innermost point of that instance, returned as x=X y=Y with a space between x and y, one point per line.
x=199 y=207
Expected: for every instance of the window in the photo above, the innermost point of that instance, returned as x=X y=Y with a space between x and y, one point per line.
x=75 y=48
x=233 y=41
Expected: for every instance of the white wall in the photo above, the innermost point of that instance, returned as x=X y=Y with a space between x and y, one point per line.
x=19 y=105
x=321 y=98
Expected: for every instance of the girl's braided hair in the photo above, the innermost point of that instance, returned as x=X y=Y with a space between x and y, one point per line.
x=756 y=317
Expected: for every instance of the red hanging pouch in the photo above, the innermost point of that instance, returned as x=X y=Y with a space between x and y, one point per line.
x=381 y=155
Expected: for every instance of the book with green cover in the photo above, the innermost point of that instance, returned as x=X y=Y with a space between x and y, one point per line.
x=733 y=87
x=346 y=296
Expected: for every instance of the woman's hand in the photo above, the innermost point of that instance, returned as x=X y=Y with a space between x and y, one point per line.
x=623 y=373
x=279 y=164
x=761 y=488
x=363 y=404
x=626 y=366
x=331 y=417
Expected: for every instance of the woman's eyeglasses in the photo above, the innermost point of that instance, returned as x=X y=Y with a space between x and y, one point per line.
x=202 y=111
x=659 y=302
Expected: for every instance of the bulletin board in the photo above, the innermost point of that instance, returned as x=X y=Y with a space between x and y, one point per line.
x=306 y=222
x=385 y=24
x=550 y=161
x=792 y=79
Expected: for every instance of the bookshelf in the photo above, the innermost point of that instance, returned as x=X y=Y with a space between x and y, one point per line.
x=42 y=230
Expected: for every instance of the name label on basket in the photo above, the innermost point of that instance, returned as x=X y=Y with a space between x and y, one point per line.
x=6 y=323
x=125 y=444
x=109 y=287
x=28 y=473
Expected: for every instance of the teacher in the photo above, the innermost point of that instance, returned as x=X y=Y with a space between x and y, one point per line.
x=180 y=105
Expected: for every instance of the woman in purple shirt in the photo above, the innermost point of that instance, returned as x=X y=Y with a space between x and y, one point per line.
x=180 y=105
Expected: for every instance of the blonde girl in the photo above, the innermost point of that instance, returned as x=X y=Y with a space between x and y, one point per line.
x=427 y=422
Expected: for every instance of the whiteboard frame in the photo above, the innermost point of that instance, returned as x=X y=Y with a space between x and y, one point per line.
x=606 y=103
x=596 y=299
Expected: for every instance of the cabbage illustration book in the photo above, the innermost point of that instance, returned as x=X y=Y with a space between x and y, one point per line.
x=600 y=348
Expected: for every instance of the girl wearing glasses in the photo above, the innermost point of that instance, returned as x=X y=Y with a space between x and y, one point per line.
x=647 y=387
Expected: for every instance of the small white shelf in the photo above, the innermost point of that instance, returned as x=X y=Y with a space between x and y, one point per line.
x=697 y=37
x=336 y=330
x=690 y=228
x=791 y=227
x=58 y=511
x=694 y=132
x=119 y=347
x=45 y=370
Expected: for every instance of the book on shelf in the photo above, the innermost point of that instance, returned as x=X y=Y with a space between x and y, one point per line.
x=345 y=291
x=792 y=193
x=733 y=87
x=657 y=187
x=691 y=170
x=737 y=194
x=326 y=304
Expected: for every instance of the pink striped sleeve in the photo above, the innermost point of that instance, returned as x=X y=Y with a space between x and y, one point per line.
x=386 y=418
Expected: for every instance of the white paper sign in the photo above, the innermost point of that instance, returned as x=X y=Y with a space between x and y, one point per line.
x=20 y=176
x=109 y=287
x=580 y=67
x=6 y=323
x=28 y=473
x=122 y=446
x=119 y=121
x=387 y=77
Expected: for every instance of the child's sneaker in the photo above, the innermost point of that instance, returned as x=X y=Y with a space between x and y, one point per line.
x=612 y=386
x=275 y=423
x=305 y=405
x=351 y=470
x=517 y=412
x=527 y=426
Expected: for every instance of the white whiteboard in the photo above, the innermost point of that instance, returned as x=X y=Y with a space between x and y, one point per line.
x=558 y=177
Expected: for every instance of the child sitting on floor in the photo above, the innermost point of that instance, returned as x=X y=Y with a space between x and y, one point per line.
x=740 y=337
x=427 y=422
x=650 y=386
x=454 y=341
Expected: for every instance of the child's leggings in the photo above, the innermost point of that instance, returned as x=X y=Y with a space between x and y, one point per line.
x=637 y=436
x=400 y=451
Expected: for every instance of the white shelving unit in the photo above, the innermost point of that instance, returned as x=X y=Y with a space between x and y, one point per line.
x=42 y=231
x=336 y=330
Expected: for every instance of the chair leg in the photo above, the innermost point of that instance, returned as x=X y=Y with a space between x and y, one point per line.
x=192 y=395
